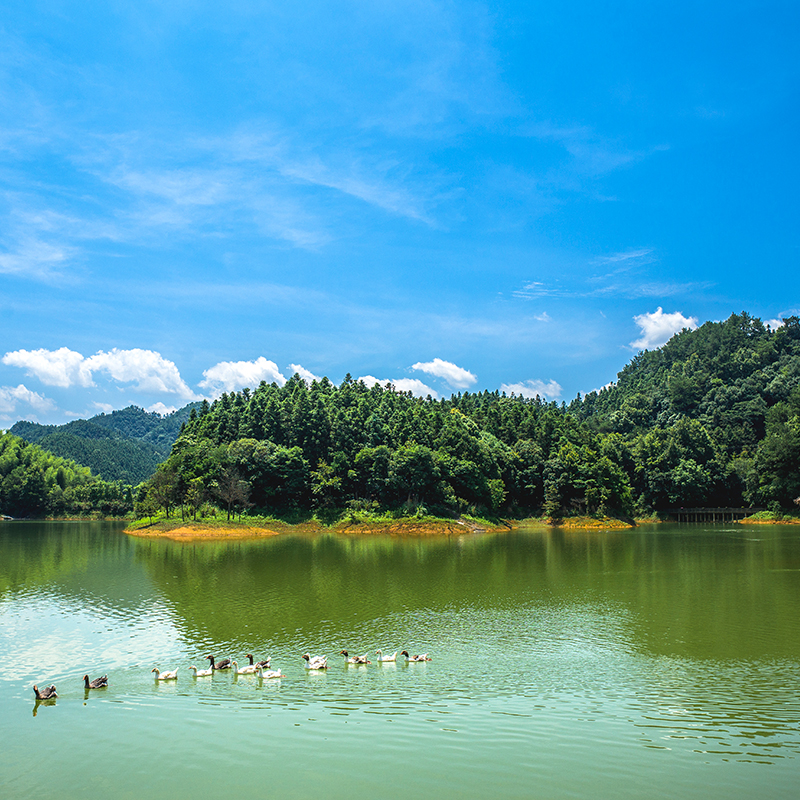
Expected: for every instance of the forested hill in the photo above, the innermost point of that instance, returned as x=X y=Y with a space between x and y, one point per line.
x=711 y=418
x=36 y=483
x=125 y=445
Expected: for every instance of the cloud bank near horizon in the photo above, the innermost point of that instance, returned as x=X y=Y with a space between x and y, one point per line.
x=550 y=390
x=155 y=382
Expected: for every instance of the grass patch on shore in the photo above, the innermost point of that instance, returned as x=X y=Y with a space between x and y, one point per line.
x=350 y=521
x=772 y=518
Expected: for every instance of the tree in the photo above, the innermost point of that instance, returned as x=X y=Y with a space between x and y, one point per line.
x=232 y=489
x=162 y=489
x=195 y=495
x=325 y=484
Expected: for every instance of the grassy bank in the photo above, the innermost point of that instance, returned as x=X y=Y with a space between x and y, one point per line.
x=578 y=522
x=771 y=518
x=270 y=526
x=355 y=523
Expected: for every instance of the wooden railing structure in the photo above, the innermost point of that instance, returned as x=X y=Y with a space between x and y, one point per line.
x=710 y=514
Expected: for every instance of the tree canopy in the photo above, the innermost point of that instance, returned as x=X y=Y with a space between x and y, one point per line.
x=710 y=418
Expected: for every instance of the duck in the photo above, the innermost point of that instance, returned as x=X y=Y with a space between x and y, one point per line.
x=414 y=659
x=264 y=663
x=248 y=670
x=359 y=660
x=270 y=673
x=202 y=673
x=224 y=663
x=48 y=693
x=97 y=683
x=382 y=659
x=315 y=662
x=167 y=675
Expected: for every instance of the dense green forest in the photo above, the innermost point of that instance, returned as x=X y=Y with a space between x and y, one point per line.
x=125 y=445
x=712 y=418
x=36 y=483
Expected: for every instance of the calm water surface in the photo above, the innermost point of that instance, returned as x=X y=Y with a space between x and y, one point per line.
x=660 y=662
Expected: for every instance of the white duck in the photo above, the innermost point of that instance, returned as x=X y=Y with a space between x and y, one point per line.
x=202 y=673
x=167 y=675
x=315 y=662
x=382 y=659
x=270 y=673
x=357 y=660
x=414 y=659
x=246 y=670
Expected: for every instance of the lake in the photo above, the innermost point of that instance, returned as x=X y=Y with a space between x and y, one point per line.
x=663 y=661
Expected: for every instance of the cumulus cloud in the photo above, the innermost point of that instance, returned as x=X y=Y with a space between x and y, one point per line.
x=305 y=374
x=228 y=376
x=774 y=324
x=161 y=409
x=413 y=385
x=457 y=377
x=150 y=370
x=62 y=367
x=11 y=397
x=658 y=328
x=550 y=390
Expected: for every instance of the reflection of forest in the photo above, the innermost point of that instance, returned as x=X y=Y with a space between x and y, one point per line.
x=693 y=593
x=84 y=561
x=685 y=592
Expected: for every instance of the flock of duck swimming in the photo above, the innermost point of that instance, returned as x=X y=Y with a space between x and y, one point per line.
x=261 y=669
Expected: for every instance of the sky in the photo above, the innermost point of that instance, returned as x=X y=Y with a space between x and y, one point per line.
x=451 y=196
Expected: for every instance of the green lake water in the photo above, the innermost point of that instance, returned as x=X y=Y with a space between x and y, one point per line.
x=662 y=662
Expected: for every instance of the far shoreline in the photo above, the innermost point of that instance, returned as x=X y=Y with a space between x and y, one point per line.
x=190 y=530
x=208 y=529
x=404 y=527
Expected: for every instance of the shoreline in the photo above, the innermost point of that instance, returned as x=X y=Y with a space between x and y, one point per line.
x=192 y=531
x=188 y=530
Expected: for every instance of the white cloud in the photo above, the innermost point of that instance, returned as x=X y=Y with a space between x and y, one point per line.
x=151 y=371
x=11 y=397
x=161 y=409
x=36 y=258
x=413 y=385
x=774 y=323
x=304 y=373
x=62 y=367
x=228 y=376
x=458 y=377
x=551 y=390
x=616 y=258
x=608 y=385
x=658 y=328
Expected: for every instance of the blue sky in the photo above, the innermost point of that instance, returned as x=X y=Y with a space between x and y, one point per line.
x=447 y=195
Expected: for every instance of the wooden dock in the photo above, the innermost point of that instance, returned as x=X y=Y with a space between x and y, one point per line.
x=710 y=514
